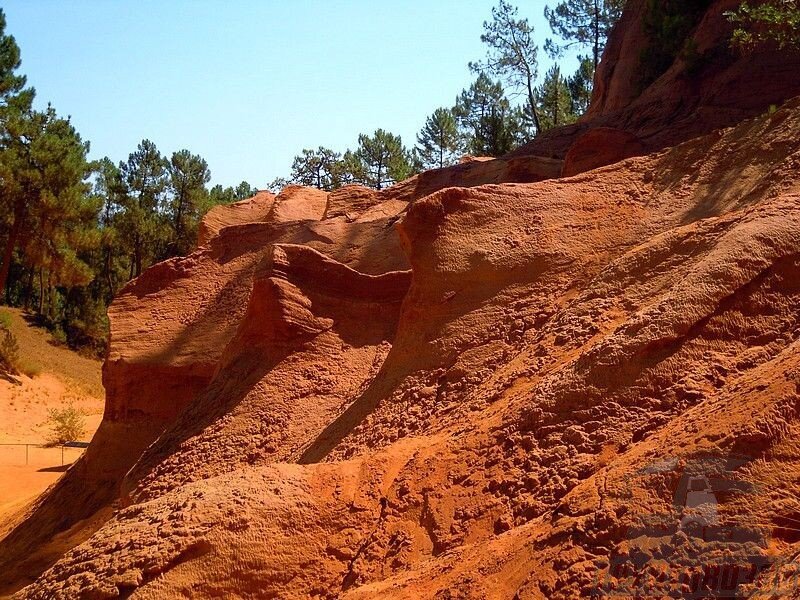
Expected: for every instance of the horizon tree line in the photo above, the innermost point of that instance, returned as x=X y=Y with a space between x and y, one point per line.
x=484 y=120
x=74 y=231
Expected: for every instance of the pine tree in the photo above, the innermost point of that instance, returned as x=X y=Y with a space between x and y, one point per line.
x=52 y=207
x=243 y=191
x=583 y=22
x=109 y=190
x=188 y=176
x=580 y=86
x=438 y=141
x=317 y=168
x=511 y=54
x=225 y=195
x=352 y=170
x=555 y=102
x=145 y=179
x=488 y=123
x=15 y=107
x=384 y=159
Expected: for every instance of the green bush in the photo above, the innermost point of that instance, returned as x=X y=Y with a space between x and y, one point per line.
x=66 y=425
x=9 y=351
x=774 y=23
x=668 y=25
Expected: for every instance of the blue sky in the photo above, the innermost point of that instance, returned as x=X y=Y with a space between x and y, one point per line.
x=248 y=84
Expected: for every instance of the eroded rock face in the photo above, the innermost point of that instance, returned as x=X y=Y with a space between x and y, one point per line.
x=483 y=382
x=600 y=147
x=706 y=89
x=492 y=394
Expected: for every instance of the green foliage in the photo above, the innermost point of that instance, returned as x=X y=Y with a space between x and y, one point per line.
x=9 y=349
x=14 y=96
x=352 y=169
x=383 y=159
x=775 y=23
x=320 y=168
x=276 y=185
x=586 y=23
x=438 y=142
x=50 y=220
x=73 y=232
x=511 y=55
x=488 y=123
x=225 y=195
x=188 y=175
x=66 y=425
x=555 y=101
x=145 y=180
x=580 y=86
x=83 y=321
x=667 y=26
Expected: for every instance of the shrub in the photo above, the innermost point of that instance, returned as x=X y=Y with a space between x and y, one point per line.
x=29 y=368
x=66 y=424
x=9 y=351
x=668 y=25
x=774 y=23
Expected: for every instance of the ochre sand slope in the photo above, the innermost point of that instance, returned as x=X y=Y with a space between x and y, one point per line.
x=486 y=395
x=60 y=378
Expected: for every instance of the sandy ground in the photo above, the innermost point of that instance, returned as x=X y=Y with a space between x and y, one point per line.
x=63 y=378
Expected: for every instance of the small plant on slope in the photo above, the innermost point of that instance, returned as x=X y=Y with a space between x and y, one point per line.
x=66 y=424
x=9 y=349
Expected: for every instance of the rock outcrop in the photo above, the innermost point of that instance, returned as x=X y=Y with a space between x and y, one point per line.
x=704 y=87
x=600 y=147
x=488 y=381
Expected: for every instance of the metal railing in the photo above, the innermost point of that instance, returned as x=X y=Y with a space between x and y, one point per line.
x=45 y=447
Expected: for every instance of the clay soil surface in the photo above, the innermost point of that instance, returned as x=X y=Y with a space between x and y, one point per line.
x=60 y=378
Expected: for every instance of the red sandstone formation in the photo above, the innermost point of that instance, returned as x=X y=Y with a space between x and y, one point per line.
x=247 y=211
x=715 y=89
x=484 y=382
x=600 y=147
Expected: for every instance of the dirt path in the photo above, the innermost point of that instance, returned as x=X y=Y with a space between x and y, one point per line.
x=61 y=378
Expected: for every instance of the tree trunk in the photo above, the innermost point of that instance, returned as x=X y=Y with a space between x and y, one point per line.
x=29 y=289
x=179 y=218
x=109 y=279
x=49 y=295
x=137 y=256
x=596 y=35
x=11 y=244
x=534 y=110
x=41 y=292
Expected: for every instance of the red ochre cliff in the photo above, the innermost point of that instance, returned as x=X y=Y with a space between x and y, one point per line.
x=488 y=381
